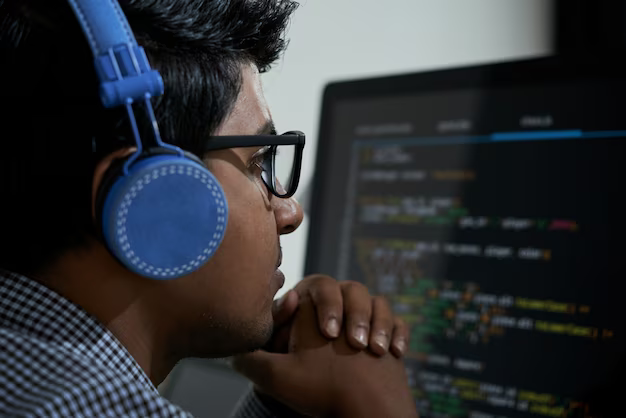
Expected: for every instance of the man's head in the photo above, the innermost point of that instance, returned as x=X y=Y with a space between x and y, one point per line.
x=61 y=141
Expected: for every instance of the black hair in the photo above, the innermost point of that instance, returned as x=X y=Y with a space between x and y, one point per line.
x=54 y=129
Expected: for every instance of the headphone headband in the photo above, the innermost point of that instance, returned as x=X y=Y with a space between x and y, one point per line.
x=122 y=66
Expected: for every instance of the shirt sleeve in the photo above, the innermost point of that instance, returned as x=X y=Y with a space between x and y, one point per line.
x=255 y=405
x=250 y=406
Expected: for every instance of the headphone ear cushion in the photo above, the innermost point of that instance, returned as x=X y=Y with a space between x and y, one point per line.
x=165 y=218
x=108 y=179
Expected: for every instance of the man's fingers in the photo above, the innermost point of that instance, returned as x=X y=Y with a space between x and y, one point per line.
x=284 y=308
x=358 y=313
x=382 y=326
x=400 y=340
x=279 y=343
x=326 y=296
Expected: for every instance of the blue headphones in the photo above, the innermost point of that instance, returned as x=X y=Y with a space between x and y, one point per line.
x=162 y=214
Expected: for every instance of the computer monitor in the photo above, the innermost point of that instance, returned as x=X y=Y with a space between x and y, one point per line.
x=486 y=204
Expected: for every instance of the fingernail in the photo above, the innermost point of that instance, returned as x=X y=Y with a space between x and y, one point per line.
x=382 y=340
x=332 y=327
x=401 y=345
x=361 y=335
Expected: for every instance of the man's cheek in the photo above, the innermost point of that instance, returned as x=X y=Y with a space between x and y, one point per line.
x=263 y=191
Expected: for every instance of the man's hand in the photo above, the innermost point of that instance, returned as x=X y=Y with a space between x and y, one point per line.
x=329 y=378
x=368 y=320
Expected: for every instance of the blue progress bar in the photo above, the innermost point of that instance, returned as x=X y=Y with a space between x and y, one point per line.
x=528 y=136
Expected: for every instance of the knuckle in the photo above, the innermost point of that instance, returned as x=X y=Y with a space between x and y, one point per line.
x=325 y=284
x=324 y=287
x=382 y=304
x=317 y=280
x=354 y=287
x=322 y=278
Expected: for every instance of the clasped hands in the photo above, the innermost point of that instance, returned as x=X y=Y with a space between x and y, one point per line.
x=336 y=351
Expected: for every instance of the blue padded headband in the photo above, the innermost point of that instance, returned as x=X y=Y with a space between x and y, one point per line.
x=121 y=64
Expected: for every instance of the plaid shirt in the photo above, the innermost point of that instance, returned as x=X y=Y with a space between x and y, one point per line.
x=57 y=360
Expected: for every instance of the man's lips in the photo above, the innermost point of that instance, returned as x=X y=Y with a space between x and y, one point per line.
x=278 y=279
x=280 y=257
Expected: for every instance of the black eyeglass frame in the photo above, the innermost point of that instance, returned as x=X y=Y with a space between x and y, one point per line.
x=296 y=138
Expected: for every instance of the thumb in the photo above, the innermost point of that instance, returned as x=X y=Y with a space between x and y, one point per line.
x=269 y=371
x=284 y=308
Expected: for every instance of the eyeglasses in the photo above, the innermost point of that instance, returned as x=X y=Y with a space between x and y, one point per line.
x=280 y=159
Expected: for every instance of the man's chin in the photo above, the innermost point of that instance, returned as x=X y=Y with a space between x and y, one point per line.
x=229 y=340
x=250 y=344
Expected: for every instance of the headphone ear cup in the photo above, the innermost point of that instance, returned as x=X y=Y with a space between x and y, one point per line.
x=108 y=179
x=115 y=171
x=165 y=218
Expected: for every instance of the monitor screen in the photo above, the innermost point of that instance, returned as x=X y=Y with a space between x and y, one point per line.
x=485 y=204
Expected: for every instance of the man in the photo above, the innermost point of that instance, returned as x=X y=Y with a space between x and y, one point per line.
x=80 y=334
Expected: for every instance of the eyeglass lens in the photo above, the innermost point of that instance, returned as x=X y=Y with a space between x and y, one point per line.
x=280 y=162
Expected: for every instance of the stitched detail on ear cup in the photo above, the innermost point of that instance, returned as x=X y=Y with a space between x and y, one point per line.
x=166 y=218
x=115 y=171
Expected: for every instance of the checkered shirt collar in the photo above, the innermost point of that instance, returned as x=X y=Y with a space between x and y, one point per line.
x=29 y=307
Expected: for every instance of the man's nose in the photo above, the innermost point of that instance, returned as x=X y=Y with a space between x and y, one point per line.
x=288 y=214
